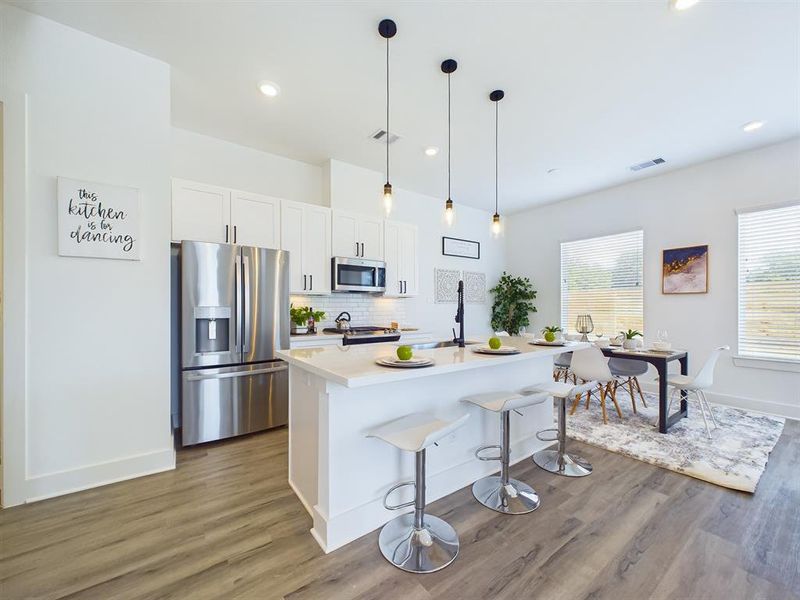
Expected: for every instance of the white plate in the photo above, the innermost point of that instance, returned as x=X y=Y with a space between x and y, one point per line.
x=500 y=350
x=411 y=363
x=546 y=343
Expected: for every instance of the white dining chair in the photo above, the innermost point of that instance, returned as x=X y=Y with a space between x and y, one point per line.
x=697 y=385
x=589 y=364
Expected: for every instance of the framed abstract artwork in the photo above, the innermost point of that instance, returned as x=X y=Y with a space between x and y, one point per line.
x=685 y=270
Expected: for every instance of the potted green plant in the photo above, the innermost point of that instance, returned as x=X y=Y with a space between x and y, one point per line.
x=299 y=317
x=512 y=303
x=630 y=342
x=550 y=333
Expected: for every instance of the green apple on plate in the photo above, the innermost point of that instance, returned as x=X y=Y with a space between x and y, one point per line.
x=494 y=343
x=405 y=353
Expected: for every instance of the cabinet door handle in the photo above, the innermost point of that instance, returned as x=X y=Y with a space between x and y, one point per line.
x=356 y=248
x=311 y=282
x=304 y=281
x=404 y=286
x=226 y=234
x=362 y=248
x=234 y=234
x=400 y=285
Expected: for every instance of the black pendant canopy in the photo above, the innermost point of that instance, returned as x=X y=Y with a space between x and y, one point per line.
x=387 y=28
x=448 y=66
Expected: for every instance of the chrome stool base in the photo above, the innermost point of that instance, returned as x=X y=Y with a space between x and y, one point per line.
x=424 y=550
x=513 y=498
x=562 y=464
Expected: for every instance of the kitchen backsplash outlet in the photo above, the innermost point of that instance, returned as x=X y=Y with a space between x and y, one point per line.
x=363 y=308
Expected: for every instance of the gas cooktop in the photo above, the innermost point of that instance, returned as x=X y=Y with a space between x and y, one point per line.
x=365 y=335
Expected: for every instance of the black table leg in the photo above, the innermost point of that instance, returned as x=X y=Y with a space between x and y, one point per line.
x=684 y=394
x=661 y=367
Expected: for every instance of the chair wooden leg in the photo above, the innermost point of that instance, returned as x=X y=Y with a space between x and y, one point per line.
x=588 y=397
x=575 y=404
x=603 y=404
x=641 y=395
x=633 y=398
x=614 y=400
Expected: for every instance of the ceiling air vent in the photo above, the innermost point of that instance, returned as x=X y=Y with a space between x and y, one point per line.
x=649 y=163
x=380 y=136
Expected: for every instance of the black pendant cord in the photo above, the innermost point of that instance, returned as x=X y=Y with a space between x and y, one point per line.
x=496 y=123
x=387 y=110
x=448 y=136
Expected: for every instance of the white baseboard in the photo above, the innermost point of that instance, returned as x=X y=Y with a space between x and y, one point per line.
x=768 y=407
x=50 y=485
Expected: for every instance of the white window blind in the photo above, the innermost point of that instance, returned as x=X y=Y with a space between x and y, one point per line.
x=769 y=283
x=602 y=277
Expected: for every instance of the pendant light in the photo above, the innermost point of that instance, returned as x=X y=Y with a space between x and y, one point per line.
x=449 y=66
x=495 y=97
x=387 y=28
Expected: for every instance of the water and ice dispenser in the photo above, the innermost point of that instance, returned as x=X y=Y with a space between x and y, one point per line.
x=212 y=326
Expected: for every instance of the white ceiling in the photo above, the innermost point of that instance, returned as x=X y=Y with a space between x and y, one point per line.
x=591 y=87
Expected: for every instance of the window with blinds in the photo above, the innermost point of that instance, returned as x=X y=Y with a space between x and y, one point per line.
x=769 y=283
x=602 y=277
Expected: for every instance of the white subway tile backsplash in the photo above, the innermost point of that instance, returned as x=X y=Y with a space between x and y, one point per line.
x=363 y=309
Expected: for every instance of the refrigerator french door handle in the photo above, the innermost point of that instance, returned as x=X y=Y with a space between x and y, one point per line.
x=246 y=304
x=237 y=294
x=200 y=376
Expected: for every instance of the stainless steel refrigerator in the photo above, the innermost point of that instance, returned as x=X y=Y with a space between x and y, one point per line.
x=234 y=315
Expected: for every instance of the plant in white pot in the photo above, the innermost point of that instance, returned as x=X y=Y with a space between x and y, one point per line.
x=299 y=317
x=551 y=332
x=630 y=342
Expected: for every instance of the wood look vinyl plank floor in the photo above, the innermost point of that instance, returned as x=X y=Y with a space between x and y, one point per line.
x=225 y=524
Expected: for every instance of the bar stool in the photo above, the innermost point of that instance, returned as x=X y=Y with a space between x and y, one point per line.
x=502 y=493
x=558 y=461
x=417 y=542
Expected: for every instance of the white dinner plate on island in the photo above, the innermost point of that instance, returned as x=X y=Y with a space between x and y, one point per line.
x=414 y=362
x=501 y=350
x=546 y=343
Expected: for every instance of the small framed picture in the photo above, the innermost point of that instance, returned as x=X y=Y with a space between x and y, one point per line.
x=685 y=270
x=461 y=248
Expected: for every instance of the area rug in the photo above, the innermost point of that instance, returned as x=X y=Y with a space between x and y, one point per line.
x=734 y=457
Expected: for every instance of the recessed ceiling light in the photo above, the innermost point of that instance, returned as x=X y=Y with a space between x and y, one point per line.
x=268 y=88
x=551 y=171
x=431 y=151
x=683 y=4
x=752 y=126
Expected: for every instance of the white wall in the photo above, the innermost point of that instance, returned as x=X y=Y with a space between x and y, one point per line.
x=89 y=399
x=682 y=208
x=361 y=190
x=209 y=160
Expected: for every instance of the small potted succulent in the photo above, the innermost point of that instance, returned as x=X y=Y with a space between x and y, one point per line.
x=630 y=342
x=551 y=332
x=299 y=317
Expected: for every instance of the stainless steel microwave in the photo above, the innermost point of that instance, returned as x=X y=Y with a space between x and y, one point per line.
x=358 y=275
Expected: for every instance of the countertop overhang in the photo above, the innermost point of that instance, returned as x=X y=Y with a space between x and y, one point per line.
x=354 y=366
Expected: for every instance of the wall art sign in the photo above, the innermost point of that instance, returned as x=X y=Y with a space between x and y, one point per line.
x=96 y=220
x=461 y=248
x=474 y=287
x=446 y=286
x=685 y=270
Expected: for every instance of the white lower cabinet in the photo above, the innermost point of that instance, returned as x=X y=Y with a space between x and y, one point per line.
x=306 y=235
x=400 y=250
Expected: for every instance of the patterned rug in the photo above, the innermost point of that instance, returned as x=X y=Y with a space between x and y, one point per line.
x=734 y=457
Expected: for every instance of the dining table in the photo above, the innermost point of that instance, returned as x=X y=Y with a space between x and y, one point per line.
x=660 y=359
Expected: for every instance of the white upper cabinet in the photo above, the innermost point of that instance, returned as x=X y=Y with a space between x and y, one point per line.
x=357 y=236
x=401 y=259
x=255 y=220
x=200 y=212
x=306 y=235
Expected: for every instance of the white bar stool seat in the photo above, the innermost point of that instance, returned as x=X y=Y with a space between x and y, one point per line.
x=417 y=542
x=502 y=493
x=558 y=461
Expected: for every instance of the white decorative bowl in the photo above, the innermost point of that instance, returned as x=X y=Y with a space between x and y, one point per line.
x=662 y=345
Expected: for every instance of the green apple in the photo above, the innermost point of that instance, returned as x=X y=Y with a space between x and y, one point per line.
x=494 y=343
x=549 y=336
x=405 y=353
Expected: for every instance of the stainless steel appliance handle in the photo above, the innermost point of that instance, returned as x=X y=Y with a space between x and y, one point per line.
x=199 y=376
x=246 y=304
x=237 y=294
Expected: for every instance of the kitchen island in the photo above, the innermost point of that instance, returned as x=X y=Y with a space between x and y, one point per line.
x=338 y=394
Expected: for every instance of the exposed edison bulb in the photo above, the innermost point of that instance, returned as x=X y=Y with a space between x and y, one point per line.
x=449 y=213
x=496 y=226
x=387 y=197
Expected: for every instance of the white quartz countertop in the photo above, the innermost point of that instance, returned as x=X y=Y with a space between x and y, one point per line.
x=354 y=366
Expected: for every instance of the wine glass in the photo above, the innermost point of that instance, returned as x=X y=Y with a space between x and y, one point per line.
x=662 y=335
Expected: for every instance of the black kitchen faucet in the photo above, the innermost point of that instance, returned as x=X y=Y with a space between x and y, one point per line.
x=460 y=317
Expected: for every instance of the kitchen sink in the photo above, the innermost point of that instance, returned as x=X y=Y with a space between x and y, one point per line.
x=446 y=344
